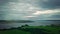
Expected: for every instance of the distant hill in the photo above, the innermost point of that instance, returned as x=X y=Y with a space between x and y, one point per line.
x=48 y=20
x=19 y=21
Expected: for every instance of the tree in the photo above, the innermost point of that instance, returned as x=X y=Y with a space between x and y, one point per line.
x=26 y=25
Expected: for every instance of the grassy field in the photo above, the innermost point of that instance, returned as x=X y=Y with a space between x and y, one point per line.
x=14 y=32
x=34 y=30
x=48 y=29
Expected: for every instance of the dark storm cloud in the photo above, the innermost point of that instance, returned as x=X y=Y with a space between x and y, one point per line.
x=49 y=4
x=2 y=2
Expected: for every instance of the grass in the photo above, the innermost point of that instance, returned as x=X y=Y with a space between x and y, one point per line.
x=47 y=29
x=14 y=32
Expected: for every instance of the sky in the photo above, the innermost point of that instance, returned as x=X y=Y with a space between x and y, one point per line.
x=29 y=9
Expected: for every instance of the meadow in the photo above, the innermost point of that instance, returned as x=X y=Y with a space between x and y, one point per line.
x=49 y=29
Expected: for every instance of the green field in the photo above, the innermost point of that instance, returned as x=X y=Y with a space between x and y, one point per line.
x=48 y=29
x=33 y=30
x=14 y=32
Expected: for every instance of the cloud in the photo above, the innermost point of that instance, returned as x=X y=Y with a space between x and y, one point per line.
x=47 y=15
x=17 y=10
x=29 y=9
x=49 y=4
x=30 y=16
x=45 y=12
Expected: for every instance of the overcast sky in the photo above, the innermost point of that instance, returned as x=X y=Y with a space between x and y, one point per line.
x=29 y=9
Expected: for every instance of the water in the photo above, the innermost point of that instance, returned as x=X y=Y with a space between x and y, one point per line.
x=36 y=23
